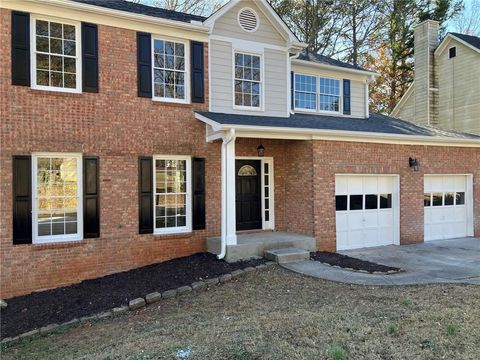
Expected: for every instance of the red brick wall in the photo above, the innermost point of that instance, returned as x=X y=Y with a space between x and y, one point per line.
x=117 y=126
x=330 y=158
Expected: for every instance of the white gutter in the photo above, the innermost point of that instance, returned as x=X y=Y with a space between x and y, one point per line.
x=99 y=10
x=223 y=238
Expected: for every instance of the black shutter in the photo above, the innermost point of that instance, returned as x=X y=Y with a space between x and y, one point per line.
x=198 y=187
x=20 y=48
x=292 y=92
x=91 y=199
x=198 y=95
x=145 y=190
x=346 y=97
x=90 y=57
x=22 y=200
x=144 y=65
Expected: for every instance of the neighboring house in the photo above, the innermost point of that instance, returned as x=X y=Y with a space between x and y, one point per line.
x=130 y=135
x=446 y=88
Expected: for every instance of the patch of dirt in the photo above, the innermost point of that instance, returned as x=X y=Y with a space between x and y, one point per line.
x=278 y=314
x=345 y=261
x=28 y=312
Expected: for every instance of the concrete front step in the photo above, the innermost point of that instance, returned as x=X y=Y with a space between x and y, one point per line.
x=286 y=255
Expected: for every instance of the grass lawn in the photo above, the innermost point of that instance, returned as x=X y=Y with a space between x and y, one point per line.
x=277 y=314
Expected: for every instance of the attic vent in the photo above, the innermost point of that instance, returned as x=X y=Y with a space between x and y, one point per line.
x=248 y=19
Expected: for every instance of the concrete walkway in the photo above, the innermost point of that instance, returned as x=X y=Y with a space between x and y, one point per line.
x=443 y=261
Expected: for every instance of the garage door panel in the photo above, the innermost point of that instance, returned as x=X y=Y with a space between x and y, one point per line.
x=367 y=225
x=449 y=220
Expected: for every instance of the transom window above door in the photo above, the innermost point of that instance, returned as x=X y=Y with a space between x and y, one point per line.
x=169 y=70
x=55 y=56
x=247 y=80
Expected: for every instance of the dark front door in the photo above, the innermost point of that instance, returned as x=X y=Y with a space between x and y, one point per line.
x=248 y=195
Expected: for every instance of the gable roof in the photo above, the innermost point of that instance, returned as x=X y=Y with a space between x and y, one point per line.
x=267 y=9
x=473 y=42
x=322 y=59
x=377 y=128
x=141 y=9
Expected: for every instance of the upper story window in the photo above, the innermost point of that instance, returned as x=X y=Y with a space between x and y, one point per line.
x=329 y=95
x=56 y=55
x=314 y=93
x=170 y=78
x=172 y=212
x=57 y=201
x=248 y=80
x=305 y=92
x=452 y=52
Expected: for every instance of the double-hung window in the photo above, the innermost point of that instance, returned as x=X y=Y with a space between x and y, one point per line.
x=57 y=202
x=172 y=211
x=247 y=80
x=305 y=92
x=314 y=93
x=56 y=55
x=329 y=95
x=170 y=78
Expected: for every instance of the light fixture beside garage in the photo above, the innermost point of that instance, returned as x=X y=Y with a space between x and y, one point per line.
x=414 y=163
x=260 y=150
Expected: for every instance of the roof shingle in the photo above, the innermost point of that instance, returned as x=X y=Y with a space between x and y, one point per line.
x=472 y=40
x=322 y=59
x=141 y=9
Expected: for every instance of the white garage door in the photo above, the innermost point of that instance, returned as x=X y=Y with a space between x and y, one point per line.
x=446 y=202
x=366 y=211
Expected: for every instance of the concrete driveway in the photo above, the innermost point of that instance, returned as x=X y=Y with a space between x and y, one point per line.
x=443 y=261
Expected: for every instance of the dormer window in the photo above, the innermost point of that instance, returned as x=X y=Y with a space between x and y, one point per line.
x=247 y=81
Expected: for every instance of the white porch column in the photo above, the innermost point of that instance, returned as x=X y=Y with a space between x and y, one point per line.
x=228 y=189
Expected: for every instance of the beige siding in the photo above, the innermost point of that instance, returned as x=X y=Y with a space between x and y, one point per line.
x=459 y=89
x=357 y=85
x=406 y=111
x=228 y=26
x=275 y=81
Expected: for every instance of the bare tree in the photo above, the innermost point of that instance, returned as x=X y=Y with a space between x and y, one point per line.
x=468 y=21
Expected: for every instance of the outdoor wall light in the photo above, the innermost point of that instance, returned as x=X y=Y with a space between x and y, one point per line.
x=261 y=150
x=414 y=163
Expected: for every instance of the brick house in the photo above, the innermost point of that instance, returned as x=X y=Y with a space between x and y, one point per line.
x=131 y=135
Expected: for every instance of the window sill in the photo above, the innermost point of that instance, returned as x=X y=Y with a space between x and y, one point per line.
x=248 y=108
x=59 y=244
x=56 y=92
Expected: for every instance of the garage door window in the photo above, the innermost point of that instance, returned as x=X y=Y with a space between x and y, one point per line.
x=444 y=199
x=356 y=202
x=341 y=202
x=371 y=202
x=385 y=201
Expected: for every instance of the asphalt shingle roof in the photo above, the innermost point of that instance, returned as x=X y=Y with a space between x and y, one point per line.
x=321 y=59
x=128 y=6
x=376 y=123
x=472 y=40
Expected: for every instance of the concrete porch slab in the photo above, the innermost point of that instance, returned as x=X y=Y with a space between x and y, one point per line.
x=253 y=245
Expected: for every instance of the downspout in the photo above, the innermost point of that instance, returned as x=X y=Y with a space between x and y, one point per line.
x=223 y=238
x=289 y=71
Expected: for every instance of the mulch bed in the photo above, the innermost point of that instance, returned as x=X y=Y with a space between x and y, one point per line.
x=345 y=261
x=90 y=297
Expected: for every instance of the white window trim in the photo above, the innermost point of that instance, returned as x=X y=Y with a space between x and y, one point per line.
x=187 y=69
x=317 y=82
x=317 y=98
x=33 y=51
x=57 y=238
x=262 y=82
x=340 y=96
x=188 y=199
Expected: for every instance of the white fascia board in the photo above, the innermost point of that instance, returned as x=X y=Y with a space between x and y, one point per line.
x=333 y=67
x=447 y=39
x=336 y=135
x=67 y=4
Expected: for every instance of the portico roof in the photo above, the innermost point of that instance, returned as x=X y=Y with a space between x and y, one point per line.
x=376 y=128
